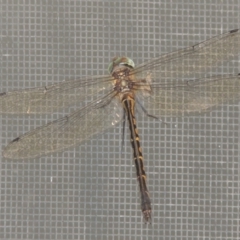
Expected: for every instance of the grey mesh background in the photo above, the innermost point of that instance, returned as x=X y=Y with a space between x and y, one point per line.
x=91 y=192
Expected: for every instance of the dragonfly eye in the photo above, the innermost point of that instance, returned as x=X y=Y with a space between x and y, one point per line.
x=120 y=61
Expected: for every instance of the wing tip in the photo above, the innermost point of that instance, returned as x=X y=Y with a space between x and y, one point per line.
x=234 y=30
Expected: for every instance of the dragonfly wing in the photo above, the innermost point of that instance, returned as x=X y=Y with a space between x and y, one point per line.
x=191 y=60
x=66 y=132
x=54 y=97
x=192 y=97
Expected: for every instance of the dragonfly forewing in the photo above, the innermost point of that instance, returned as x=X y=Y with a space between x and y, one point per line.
x=51 y=98
x=191 y=60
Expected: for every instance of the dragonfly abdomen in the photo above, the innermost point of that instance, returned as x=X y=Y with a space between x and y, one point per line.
x=129 y=105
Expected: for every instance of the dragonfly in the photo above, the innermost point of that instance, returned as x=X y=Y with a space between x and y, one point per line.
x=160 y=87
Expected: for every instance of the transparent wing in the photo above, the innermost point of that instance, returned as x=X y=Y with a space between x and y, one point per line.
x=169 y=66
x=54 y=97
x=169 y=97
x=182 y=97
x=191 y=60
x=68 y=131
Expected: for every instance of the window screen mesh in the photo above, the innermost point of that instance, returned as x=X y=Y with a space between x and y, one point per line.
x=91 y=192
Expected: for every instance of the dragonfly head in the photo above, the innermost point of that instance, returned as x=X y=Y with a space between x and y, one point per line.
x=120 y=61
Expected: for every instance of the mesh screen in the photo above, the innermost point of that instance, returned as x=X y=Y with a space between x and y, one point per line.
x=91 y=192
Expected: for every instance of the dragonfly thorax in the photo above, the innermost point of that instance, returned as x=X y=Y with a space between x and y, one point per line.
x=120 y=69
x=122 y=80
